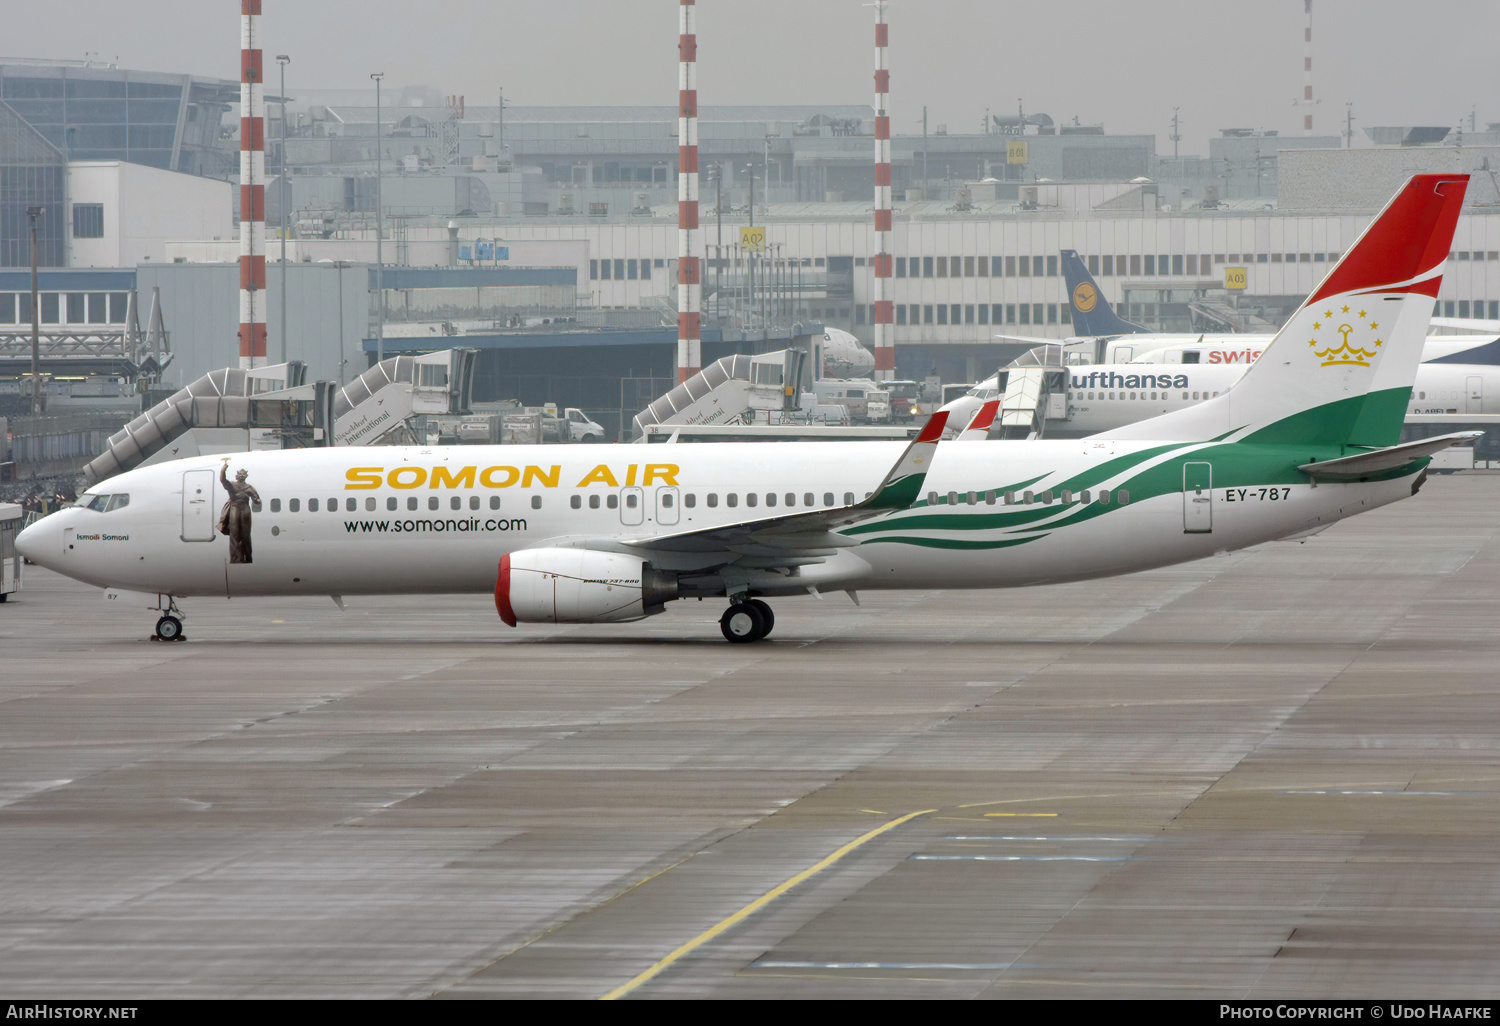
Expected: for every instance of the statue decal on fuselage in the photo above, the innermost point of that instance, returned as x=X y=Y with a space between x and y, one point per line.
x=234 y=520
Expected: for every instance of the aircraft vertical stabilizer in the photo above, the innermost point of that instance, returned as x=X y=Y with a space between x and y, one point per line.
x=1341 y=371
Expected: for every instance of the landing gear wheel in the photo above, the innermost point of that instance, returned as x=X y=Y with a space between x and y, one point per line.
x=742 y=622
x=169 y=628
x=766 y=615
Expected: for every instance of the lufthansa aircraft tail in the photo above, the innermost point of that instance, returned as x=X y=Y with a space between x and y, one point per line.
x=1340 y=372
x=1092 y=314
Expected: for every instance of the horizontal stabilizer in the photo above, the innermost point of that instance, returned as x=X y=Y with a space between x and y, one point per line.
x=1366 y=463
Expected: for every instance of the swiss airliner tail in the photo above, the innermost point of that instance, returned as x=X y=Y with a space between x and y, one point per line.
x=1341 y=370
x=1092 y=314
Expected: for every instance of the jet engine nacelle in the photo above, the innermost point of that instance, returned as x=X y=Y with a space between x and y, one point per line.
x=579 y=586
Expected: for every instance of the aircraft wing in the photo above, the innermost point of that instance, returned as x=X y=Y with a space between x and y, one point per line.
x=1475 y=324
x=1029 y=340
x=1377 y=460
x=808 y=536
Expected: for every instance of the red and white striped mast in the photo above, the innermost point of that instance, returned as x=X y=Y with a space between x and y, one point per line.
x=252 y=190
x=885 y=347
x=1307 y=96
x=689 y=236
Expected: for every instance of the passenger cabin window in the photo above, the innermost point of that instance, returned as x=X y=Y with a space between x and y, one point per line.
x=751 y=499
x=630 y=501
x=411 y=503
x=770 y=498
x=473 y=502
x=536 y=502
x=1122 y=496
x=456 y=502
x=731 y=500
x=791 y=499
x=370 y=504
x=612 y=501
x=494 y=502
x=666 y=501
x=808 y=499
x=293 y=505
x=276 y=505
x=593 y=502
x=576 y=501
x=828 y=498
x=690 y=500
x=713 y=500
x=848 y=498
x=333 y=505
x=390 y=504
x=432 y=502
x=312 y=505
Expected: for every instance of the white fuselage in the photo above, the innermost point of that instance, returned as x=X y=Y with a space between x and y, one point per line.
x=1102 y=397
x=413 y=520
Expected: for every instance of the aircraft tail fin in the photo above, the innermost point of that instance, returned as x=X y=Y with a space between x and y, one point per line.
x=1340 y=372
x=1092 y=314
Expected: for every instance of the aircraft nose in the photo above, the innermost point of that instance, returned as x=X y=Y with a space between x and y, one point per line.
x=40 y=541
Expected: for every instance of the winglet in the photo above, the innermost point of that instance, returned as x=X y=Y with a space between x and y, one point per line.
x=904 y=482
x=979 y=427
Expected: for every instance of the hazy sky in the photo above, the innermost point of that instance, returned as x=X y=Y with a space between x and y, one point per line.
x=1225 y=63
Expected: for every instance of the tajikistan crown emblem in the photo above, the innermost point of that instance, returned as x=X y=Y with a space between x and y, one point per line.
x=1345 y=337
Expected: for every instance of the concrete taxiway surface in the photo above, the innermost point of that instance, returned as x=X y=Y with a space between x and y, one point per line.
x=1270 y=774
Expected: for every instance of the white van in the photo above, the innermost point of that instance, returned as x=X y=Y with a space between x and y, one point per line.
x=10 y=559
x=850 y=392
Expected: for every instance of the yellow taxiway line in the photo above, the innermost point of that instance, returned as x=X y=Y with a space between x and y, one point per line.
x=758 y=904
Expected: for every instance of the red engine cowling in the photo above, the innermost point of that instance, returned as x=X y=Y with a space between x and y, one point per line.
x=579 y=586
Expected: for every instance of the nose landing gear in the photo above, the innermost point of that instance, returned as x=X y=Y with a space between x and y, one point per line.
x=169 y=627
x=747 y=620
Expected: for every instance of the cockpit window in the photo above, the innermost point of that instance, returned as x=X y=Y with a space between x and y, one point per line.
x=102 y=503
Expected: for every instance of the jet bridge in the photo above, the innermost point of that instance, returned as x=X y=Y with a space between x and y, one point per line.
x=1032 y=390
x=220 y=399
x=234 y=410
x=374 y=408
x=731 y=390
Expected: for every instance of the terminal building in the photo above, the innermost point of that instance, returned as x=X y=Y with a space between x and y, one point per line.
x=546 y=237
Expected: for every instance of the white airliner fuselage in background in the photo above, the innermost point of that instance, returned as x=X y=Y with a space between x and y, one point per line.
x=607 y=533
x=1101 y=397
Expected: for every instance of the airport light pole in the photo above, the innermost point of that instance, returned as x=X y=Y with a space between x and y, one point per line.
x=750 y=253
x=379 y=233
x=283 y=60
x=32 y=213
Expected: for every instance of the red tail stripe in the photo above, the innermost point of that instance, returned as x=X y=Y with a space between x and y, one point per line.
x=1409 y=238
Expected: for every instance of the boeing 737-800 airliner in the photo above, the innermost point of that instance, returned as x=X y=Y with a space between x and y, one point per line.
x=599 y=533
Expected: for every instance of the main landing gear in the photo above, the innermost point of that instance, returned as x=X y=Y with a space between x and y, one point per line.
x=169 y=627
x=747 y=620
